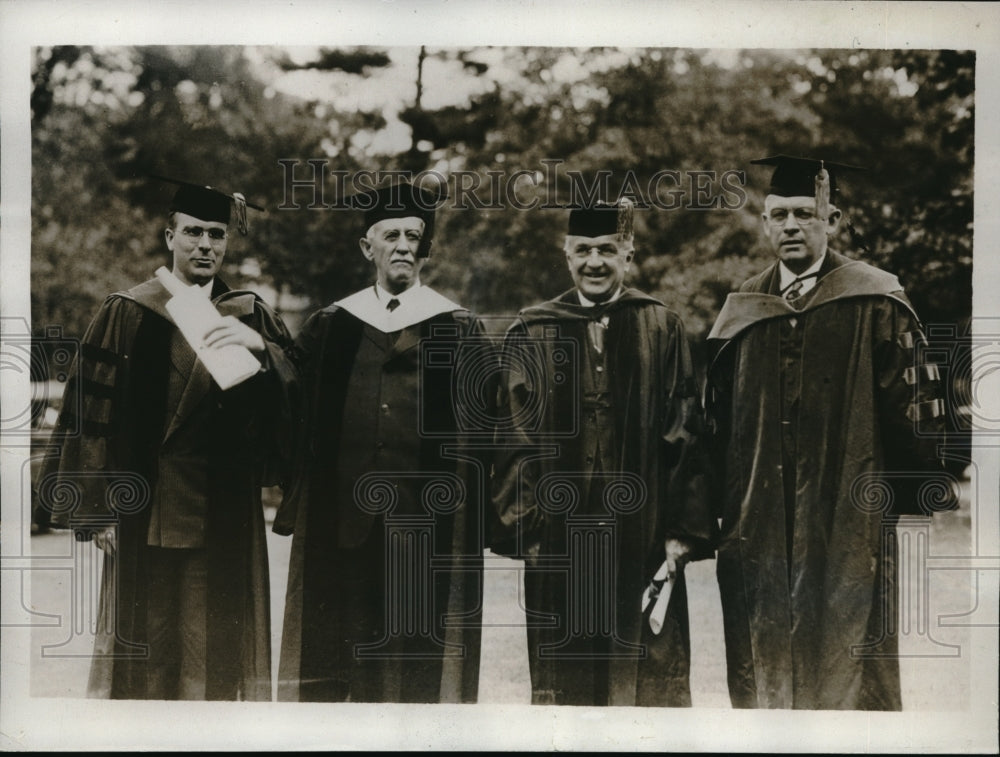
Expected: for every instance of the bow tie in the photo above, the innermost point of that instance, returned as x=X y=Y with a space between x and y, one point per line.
x=599 y=310
x=392 y=305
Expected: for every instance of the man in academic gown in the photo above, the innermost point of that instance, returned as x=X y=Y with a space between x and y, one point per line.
x=163 y=470
x=600 y=482
x=385 y=581
x=815 y=393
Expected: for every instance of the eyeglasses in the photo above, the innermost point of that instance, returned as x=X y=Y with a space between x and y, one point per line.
x=605 y=251
x=195 y=232
x=779 y=216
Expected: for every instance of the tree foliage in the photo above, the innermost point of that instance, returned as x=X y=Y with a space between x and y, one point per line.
x=104 y=119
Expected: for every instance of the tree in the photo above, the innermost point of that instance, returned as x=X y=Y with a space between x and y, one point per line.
x=106 y=118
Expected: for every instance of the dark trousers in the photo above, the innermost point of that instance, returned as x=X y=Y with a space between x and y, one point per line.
x=789 y=452
x=380 y=634
x=176 y=623
x=575 y=670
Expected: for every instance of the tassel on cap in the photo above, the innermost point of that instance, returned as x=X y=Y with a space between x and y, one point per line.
x=822 y=182
x=625 y=215
x=240 y=203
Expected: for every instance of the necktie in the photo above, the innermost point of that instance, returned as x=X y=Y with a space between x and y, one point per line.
x=393 y=304
x=794 y=290
x=597 y=327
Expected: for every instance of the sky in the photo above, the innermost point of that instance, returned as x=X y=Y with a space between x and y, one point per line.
x=393 y=88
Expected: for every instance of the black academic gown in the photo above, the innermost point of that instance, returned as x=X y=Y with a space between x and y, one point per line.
x=595 y=474
x=807 y=418
x=120 y=447
x=385 y=582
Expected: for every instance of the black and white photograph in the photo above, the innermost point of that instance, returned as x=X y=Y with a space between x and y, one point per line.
x=495 y=376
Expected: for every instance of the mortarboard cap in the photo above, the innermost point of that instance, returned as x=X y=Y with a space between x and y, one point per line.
x=602 y=219
x=207 y=203
x=796 y=177
x=400 y=200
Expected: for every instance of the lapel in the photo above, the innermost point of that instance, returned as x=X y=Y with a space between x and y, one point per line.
x=198 y=380
x=407 y=339
x=773 y=281
x=380 y=339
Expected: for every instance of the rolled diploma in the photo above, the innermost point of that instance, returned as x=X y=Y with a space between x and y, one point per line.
x=659 y=611
x=661 y=575
x=194 y=315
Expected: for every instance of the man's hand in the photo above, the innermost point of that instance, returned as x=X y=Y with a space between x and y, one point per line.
x=231 y=330
x=677 y=552
x=105 y=540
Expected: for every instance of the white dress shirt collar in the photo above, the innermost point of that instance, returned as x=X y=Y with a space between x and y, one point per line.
x=204 y=289
x=416 y=304
x=787 y=277
x=590 y=303
x=405 y=296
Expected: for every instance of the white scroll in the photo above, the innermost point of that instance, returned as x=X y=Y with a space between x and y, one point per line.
x=658 y=592
x=195 y=315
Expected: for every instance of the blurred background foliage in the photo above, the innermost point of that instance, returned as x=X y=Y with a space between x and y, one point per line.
x=103 y=119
